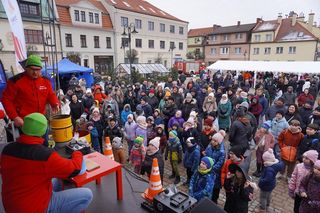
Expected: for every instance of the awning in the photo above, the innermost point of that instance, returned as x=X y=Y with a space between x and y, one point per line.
x=142 y=68
x=268 y=66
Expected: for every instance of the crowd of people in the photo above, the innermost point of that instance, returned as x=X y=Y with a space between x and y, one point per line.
x=188 y=121
x=210 y=125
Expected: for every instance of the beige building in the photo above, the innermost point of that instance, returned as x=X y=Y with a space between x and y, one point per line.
x=289 y=39
x=229 y=43
x=197 y=39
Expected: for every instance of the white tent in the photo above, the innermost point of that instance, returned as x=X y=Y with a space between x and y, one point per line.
x=142 y=68
x=268 y=66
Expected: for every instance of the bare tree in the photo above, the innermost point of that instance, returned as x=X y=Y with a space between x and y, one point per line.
x=74 y=57
x=133 y=56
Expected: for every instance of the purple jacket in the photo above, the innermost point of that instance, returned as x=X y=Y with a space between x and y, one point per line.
x=311 y=186
x=130 y=130
x=173 y=120
x=300 y=171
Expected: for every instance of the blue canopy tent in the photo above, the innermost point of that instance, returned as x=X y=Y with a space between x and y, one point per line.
x=66 y=68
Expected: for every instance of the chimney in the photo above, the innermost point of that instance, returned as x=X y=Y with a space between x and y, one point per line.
x=310 y=21
x=238 y=23
x=294 y=19
x=279 y=18
x=301 y=17
x=259 y=20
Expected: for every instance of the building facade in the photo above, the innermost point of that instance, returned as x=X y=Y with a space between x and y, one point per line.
x=289 y=39
x=87 y=33
x=30 y=13
x=229 y=43
x=197 y=39
x=160 y=36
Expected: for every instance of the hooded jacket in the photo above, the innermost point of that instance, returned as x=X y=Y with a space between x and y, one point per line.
x=187 y=107
x=277 y=126
x=124 y=114
x=299 y=172
x=191 y=158
x=308 y=142
x=27 y=168
x=240 y=133
x=267 y=181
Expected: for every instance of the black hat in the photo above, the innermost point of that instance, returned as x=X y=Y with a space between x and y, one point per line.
x=280 y=112
x=237 y=151
x=242 y=167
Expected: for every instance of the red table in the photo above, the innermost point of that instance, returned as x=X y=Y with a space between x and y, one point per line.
x=107 y=166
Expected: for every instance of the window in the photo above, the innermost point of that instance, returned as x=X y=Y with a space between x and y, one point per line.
x=237 y=50
x=138 y=23
x=225 y=37
x=68 y=40
x=162 y=44
x=181 y=30
x=33 y=36
x=150 y=25
x=96 y=41
x=257 y=38
x=83 y=16
x=124 y=21
x=268 y=37
x=213 y=51
x=108 y=41
x=238 y=36
x=85 y=62
x=256 y=51
x=76 y=15
x=138 y=42
x=224 y=50
x=90 y=17
x=124 y=42
x=213 y=37
x=267 y=50
x=162 y=28
x=180 y=45
x=172 y=45
x=151 y=44
x=149 y=61
x=292 y=50
x=96 y=17
x=83 y=40
x=279 y=50
x=29 y=9
x=172 y=28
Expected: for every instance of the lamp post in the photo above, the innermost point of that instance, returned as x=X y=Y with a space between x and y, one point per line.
x=172 y=47
x=245 y=54
x=131 y=29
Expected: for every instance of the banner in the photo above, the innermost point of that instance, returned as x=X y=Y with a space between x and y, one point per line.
x=14 y=17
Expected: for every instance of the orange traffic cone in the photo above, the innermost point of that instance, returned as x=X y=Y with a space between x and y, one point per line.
x=108 y=148
x=155 y=185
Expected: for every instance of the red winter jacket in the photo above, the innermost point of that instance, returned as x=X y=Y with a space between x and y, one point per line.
x=24 y=95
x=27 y=168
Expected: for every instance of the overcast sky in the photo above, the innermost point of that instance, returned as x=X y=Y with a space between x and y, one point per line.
x=205 y=13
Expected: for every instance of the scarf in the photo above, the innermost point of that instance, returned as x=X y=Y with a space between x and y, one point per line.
x=223 y=101
x=204 y=172
x=270 y=163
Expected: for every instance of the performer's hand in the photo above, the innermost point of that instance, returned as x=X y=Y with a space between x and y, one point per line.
x=55 y=109
x=18 y=122
x=304 y=195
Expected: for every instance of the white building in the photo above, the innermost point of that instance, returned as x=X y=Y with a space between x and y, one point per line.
x=86 y=31
x=157 y=31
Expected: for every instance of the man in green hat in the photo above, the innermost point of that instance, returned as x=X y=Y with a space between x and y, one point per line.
x=29 y=171
x=29 y=92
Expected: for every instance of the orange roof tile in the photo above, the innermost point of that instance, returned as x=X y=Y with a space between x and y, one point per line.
x=142 y=6
x=65 y=18
x=200 y=31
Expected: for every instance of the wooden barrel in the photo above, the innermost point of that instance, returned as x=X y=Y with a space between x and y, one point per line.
x=86 y=135
x=61 y=127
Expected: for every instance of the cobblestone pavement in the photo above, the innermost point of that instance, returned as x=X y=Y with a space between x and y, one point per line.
x=280 y=201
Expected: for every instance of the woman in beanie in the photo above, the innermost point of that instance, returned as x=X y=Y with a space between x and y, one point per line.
x=267 y=181
x=206 y=136
x=224 y=112
x=209 y=104
x=153 y=151
x=174 y=152
x=137 y=154
x=216 y=151
x=189 y=130
x=300 y=171
x=129 y=132
x=264 y=141
x=142 y=128
x=163 y=138
x=201 y=182
x=191 y=158
x=310 y=191
x=235 y=157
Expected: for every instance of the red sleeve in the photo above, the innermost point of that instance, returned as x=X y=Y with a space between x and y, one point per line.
x=8 y=98
x=281 y=139
x=52 y=98
x=224 y=172
x=60 y=167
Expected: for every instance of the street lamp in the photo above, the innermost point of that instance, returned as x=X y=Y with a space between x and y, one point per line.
x=131 y=28
x=172 y=47
x=245 y=54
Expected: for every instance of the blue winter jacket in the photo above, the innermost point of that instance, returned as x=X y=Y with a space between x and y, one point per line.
x=218 y=155
x=95 y=139
x=192 y=158
x=277 y=127
x=124 y=115
x=268 y=180
x=201 y=185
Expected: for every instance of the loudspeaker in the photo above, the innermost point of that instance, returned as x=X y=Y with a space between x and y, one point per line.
x=206 y=206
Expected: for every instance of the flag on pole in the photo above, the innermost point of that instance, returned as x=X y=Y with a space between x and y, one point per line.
x=14 y=17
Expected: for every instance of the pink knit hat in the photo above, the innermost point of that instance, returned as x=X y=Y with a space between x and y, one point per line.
x=268 y=156
x=317 y=164
x=219 y=136
x=312 y=155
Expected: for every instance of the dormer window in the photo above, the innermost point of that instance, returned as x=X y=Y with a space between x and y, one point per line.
x=76 y=15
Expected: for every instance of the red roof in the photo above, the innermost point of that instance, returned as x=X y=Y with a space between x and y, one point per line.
x=142 y=6
x=65 y=18
x=200 y=31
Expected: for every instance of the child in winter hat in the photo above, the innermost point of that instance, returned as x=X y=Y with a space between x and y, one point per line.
x=118 y=150
x=219 y=136
x=137 y=154
x=155 y=142
x=301 y=170
x=191 y=158
x=201 y=183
